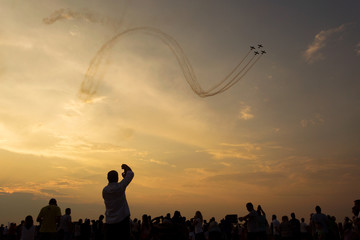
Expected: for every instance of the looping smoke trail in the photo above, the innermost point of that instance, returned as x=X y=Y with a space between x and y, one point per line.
x=95 y=73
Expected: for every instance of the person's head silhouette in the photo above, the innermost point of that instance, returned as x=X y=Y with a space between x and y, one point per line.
x=113 y=176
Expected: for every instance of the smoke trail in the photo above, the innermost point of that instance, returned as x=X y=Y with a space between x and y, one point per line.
x=95 y=71
x=97 y=67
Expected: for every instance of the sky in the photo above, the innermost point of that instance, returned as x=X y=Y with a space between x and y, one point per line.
x=286 y=136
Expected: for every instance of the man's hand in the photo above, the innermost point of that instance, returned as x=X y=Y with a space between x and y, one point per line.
x=126 y=168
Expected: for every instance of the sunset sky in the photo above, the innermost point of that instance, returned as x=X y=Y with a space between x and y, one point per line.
x=287 y=136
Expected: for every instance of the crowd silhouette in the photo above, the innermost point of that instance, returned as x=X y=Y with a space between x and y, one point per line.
x=254 y=225
x=119 y=225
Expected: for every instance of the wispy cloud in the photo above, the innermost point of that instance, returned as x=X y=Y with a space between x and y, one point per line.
x=315 y=121
x=313 y=52
x=163 y=163
x=86 y=16
x=59 y=187
x=257 y=178
x=245 y=112
x=248 y=151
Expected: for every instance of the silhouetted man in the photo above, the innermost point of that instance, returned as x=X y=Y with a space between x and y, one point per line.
x=275 y=224
x=65 y=228
x=251 y=219
x=117 y=210
x=320 y=219
x=48 y=217
x=295 y=226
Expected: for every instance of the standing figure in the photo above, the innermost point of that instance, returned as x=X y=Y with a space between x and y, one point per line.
x=66 y=227
x=28 y=230
x=117 y=214
x=251 y=225
x=48 y=218
x=198 y=226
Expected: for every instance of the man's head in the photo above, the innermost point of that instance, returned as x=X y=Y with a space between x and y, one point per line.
x=68 y=211
x=249 y=206
x=113 y=176
x=318 y=209
x=292 y=215
x=53 y=202
x=273 y=217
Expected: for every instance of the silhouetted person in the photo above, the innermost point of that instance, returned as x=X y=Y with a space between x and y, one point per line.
x=275 y=224
x=77 y=229
x=28 y=229
x=285 y=229
x=85 y=230
x=321 y=222
x=48 y=217
x=295 y=226
x=12 y=232
x=18 y=229
x=214 y=230
x=99 y=233
x=117 y=210
x=303 y=229
x=176 y=217
x=66 y=227
x=145 y=228
x=251 y=218
x=262 y=223
x=198 y=226
x=2 y=229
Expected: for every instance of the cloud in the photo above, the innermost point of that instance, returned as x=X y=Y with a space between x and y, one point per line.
x=163 y=163
x=313 y=52
x=58 y=187
x=245 y=112
x=247 y=151
x=261 y=178
x=317 y=120
x=68 y=14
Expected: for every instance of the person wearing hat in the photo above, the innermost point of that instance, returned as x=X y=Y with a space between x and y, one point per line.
x=48 y=217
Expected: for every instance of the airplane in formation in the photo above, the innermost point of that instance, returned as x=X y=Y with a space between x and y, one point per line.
x=258 y=52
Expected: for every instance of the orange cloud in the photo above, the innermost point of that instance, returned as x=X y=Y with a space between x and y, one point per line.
x=313 y=52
